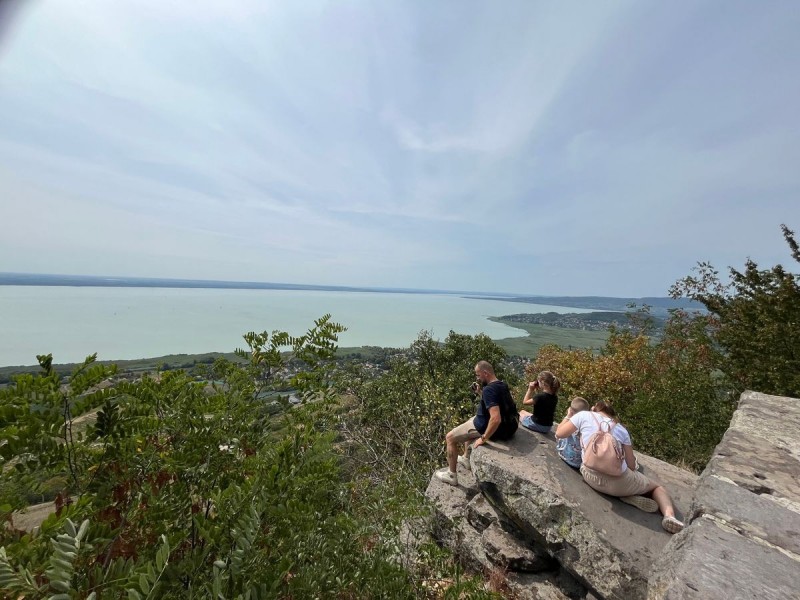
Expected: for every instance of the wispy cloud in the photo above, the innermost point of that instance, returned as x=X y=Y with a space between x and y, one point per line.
x=548 y=147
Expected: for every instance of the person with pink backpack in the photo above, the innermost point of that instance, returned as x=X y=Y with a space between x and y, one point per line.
x=609 y=465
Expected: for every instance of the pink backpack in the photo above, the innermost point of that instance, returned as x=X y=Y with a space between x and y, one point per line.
x=603 y=452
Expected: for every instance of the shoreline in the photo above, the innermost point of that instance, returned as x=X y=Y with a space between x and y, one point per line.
x=571 y=330
x=525 y=346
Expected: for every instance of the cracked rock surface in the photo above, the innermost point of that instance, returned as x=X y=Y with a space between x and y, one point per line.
x=522 y=512
x=743 y=539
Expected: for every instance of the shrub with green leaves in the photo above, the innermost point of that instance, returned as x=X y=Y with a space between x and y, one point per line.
x=395 y=423
x=667 y=391
x=172 y=490
x=755 y=320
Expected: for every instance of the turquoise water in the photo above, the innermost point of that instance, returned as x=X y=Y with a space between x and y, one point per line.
x=130 y=323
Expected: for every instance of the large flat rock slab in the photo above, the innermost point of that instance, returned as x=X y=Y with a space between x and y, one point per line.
x=608 y=545
x=709 y=561
x=744 y=536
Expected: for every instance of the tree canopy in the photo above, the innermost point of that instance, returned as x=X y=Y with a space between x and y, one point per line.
x=755 y=319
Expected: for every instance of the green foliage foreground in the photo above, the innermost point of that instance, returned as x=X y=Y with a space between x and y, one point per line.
x=395 y=423
x=176 y=491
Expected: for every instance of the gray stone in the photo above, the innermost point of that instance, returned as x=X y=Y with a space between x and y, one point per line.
x=507 y=552
x=760 y=451
x=448 y=502
x=480 y=513
x=468 y=545
x=743 y=524
x=461 y=515
x=753 y=515
x=744 y=535
x=708 y=561
x=527 y=586
x=608 y=545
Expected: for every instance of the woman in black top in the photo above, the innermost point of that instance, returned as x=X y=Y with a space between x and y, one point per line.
x=542 y=394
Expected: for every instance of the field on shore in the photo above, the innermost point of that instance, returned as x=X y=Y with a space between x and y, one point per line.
x=540 y=335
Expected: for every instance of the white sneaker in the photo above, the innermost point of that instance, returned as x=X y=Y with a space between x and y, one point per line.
x=464 y=461
x=672 y=524
x=648 y=505
x=447 y=476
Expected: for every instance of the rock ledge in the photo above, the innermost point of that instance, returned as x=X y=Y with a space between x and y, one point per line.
x=523 y=512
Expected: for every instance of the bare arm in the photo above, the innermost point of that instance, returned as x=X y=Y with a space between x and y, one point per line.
x=565 y=428
x=529 y=399
x=630 y=459
x=494 y=422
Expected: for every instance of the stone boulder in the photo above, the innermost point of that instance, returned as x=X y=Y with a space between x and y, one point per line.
x=551 y=522
x=607 y=545
x=744 y=537
x=467 y=524
x=521 y=512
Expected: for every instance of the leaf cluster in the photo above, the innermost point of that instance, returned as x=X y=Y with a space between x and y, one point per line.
x=186 y=491
x=395 y=422
x=754 y=318
x=668 y=392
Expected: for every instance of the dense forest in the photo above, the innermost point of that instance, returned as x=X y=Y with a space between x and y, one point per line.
x=166 y=486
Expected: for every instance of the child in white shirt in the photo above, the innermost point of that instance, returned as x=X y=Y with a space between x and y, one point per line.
x=569 y=448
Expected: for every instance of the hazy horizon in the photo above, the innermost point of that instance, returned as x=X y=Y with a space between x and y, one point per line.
x=81 y=280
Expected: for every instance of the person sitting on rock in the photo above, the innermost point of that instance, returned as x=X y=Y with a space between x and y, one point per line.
x=569 y=448
x=496 y=418
x=542 y=394
x=629 y=486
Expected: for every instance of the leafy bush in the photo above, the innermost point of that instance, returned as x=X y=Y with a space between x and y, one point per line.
x=175 y=489
x=755 y=319
x=179 y=493
x=667 y=392
x=395 y=422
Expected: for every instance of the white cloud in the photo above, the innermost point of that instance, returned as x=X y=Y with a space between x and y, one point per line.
x=406 y=144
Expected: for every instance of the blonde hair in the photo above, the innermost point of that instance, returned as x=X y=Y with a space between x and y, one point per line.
x=578 y=404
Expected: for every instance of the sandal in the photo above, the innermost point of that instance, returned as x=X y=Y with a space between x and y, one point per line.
x=671 y=524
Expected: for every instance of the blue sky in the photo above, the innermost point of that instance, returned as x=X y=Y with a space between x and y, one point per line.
x=587 y=148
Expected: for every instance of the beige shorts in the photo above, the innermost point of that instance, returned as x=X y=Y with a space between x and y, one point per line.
x=630 y=483
x=465 y=432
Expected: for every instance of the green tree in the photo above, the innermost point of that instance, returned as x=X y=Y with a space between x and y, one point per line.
x=755 y=319
x=174 y=492
x=176 y=489
x=395 y=422
x=667 y=391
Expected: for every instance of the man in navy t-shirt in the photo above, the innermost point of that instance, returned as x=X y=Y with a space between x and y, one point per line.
x=496 y=418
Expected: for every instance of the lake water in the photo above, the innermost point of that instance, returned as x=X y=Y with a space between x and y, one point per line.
x=130 y=323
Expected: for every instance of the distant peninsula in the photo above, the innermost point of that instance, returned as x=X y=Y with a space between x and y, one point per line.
x=659 y=306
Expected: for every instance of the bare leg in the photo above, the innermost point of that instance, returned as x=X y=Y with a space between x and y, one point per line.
x=452 y=453
x=664 y=502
